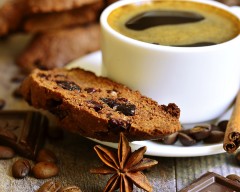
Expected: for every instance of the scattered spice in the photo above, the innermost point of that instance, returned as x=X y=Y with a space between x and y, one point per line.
x=125 y=166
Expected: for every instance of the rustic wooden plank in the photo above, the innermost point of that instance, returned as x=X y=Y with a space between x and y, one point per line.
x=162 y=176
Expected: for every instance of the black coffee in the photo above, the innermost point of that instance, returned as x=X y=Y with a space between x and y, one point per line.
x=175 y=23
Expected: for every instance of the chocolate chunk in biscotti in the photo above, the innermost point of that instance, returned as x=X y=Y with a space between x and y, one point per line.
x=103 y=113
x=23 y=131
x=55 y=49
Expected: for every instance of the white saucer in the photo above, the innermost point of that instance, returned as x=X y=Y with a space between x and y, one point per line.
x=92 y=62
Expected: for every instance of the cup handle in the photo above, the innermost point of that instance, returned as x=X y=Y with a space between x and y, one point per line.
x=236 y=10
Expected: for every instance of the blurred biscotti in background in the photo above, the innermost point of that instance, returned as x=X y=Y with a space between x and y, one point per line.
x=40 y=6
x=12 y=13
x=61 y=30
x=230 y=2
x=58 y=20
x=54 y=49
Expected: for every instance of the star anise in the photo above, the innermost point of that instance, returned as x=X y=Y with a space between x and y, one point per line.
x=125 y=166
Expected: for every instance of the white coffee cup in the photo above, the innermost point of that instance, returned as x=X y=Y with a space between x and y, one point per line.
x=202 y=81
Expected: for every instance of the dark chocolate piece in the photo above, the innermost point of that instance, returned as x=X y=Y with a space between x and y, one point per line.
x=212 y=182
x=23 y=131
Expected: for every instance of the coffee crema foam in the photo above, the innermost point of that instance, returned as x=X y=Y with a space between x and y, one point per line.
x=175 y=23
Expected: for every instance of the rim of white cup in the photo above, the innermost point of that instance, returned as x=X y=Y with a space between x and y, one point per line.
x=106 y=12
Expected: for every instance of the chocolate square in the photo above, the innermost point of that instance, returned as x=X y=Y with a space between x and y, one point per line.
x=24 y=131
x=212 y=182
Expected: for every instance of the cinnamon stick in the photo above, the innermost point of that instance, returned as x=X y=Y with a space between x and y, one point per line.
x=232 y=135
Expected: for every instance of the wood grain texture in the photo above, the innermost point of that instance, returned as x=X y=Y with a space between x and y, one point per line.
x=189 y=169
x=76 y=157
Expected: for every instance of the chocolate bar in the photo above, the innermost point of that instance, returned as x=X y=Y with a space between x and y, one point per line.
x=212 y=182
x=23 y=131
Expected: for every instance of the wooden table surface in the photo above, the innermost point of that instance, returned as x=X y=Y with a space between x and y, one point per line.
x=76 y=155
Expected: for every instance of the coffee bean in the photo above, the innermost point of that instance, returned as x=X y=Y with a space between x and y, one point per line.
x=234 y=177
x=185 y=139
x=44 y=170
x=214 y=137
x=170 y=139
x=208 y=133
x=2 y=103
x=50 y=186
x=46 y=155
x=223 y=125
x=200 y=132
x=70 y=189
x=215 y=128
x=6 y=152
x=185 y=131
x=237 y=157
x=21 y=168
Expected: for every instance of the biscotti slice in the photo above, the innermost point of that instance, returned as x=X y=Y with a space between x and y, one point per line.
x=12 y=13
x=97 y=107
x=39 y=23
x=41 y=6
x=54 y=49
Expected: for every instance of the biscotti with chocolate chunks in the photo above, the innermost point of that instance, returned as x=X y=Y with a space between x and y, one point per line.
x=97 y=107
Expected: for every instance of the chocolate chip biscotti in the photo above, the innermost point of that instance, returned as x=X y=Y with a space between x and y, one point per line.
x=97 y=107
